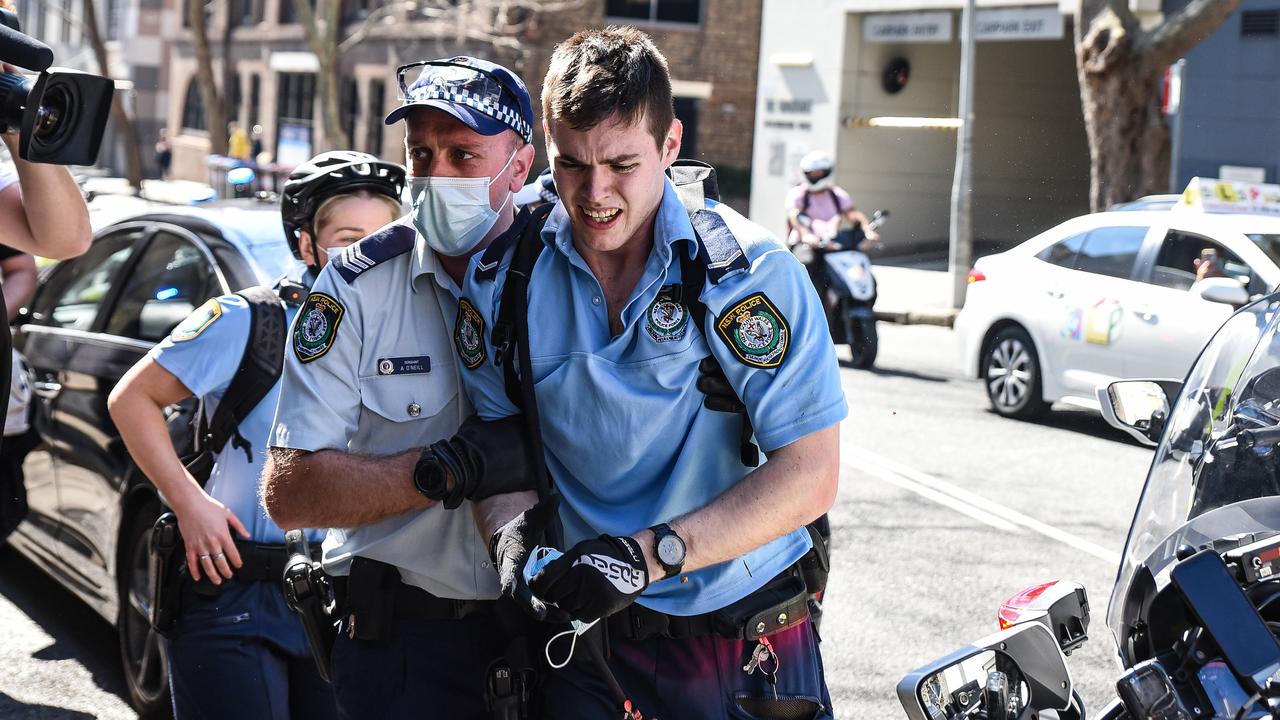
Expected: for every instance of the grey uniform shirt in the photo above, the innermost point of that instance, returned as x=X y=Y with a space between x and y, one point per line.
x=371 y=370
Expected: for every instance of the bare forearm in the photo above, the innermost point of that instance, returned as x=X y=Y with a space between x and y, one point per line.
x=494 y=512
x=57 y=217
x=796 y=486
x=142 y=427
x=329 y=488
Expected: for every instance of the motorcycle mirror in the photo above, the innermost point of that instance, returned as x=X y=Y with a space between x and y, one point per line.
x=1027 y=654
x=1139 y=407
x=1062 y=607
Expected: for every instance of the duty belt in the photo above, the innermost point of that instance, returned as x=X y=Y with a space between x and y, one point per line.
x=781 y=604
x=414 y=603
x=258 y=562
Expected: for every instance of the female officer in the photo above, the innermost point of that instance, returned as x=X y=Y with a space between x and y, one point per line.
x=237 y=650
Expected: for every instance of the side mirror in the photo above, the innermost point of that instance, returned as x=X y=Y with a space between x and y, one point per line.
x=1222 y=290
x=1025 y=659
x=1139 y=407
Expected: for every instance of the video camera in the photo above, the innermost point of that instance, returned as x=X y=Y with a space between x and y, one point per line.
x=62 y=114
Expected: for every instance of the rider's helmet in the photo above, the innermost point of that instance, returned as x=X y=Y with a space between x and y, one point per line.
x=816 y=167
x=328 y=174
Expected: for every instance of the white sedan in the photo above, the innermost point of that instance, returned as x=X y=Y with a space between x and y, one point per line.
x=1107 y=296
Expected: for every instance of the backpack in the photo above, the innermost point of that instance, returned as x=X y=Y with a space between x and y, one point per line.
x=259 y=369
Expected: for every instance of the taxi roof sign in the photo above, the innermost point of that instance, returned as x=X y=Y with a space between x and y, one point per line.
x=1230 y=196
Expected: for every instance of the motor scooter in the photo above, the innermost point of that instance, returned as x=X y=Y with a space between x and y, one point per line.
x=846 y=285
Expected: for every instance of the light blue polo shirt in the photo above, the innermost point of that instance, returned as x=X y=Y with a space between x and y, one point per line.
x=628 y=441
x=203 y=352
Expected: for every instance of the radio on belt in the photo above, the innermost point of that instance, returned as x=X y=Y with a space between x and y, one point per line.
x=1256 y=561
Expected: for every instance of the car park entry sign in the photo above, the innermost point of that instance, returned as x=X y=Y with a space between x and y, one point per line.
x=1227 y=196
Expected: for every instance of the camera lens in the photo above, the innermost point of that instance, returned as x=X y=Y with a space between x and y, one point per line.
x=49 y=118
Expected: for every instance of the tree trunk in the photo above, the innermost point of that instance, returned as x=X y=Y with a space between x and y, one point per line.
x=228 y=67
x=214 y=114
x=322 y=36
x=124 y=124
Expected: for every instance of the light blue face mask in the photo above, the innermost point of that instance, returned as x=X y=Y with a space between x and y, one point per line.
x=453 y=214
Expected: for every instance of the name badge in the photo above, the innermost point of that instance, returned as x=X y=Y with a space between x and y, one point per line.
x=404 y=365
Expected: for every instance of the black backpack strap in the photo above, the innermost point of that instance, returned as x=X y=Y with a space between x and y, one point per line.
x=260 y=367
x=515 y=301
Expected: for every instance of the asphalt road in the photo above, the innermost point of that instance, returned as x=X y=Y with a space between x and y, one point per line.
x=917 y=572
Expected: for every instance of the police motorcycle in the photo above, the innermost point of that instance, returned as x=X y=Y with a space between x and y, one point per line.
x=1196 y=604
x=848 y=290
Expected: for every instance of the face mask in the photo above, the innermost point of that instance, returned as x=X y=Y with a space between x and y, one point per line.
x=453 y=214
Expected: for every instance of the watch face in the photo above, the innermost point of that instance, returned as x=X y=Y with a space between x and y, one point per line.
x=671 y=550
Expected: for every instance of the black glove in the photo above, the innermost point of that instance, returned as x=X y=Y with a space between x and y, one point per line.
x=720 y=395
x=484 y=458
x=595 y=578
x=509 y=549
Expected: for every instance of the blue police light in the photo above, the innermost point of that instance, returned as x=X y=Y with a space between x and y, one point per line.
x=240 y=176
x=167 y=294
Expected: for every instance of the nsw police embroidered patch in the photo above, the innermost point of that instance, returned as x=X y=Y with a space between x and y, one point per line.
x=316 y=326
x=197 y=322
x=666 y=319
x=468 y=335
x=755 y=331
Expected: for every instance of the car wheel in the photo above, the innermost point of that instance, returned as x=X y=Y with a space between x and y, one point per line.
x=1011 y=370
x=142 y=650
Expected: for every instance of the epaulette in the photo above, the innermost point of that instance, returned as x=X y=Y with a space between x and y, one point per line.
x=718 y=249
x=389 y=242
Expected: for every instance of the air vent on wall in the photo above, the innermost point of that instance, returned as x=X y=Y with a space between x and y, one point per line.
x=1260 y=23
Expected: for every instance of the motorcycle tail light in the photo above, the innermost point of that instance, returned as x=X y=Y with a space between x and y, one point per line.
x=1018 y=607
x=975 y=275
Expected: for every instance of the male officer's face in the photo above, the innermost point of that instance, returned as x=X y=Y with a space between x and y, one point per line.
x=610 y=179
x=439 y=145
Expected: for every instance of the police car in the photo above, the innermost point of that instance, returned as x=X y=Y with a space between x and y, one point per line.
x=92 y=318
x=1116 y=294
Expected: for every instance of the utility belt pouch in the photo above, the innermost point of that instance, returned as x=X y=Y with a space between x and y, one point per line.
x=309 y=593
x=781 y=604
x=168 y=571
x=815 y=566
x=371 y=598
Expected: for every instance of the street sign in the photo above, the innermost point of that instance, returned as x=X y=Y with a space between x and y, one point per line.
x=1042 y=22
x=934 y=27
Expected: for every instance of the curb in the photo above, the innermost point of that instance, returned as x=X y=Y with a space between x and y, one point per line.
x=943 y=317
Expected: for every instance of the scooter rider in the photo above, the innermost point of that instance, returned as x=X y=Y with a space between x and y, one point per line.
x=237 y=651
x=371 y=397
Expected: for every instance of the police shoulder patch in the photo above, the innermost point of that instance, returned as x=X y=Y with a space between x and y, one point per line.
x=197 y=322
x=316 y=327
x=755 y=331
x=468 y=335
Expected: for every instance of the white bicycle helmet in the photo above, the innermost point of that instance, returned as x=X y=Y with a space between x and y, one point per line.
x=816 y=169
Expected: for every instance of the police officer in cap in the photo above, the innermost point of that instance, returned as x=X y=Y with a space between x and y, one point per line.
x=369 y=437
x=238 y=651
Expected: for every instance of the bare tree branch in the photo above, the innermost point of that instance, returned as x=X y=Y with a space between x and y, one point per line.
x=1185 y=29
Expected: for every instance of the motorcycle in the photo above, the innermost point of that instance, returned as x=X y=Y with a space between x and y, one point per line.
x=1196 y=605
x=845 y=283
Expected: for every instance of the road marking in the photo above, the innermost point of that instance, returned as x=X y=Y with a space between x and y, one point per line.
x=975 y=506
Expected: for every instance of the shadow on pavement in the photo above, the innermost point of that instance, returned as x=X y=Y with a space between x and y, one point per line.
x=14 y=710
x=909 y=374
x=78 y=632
x=1085 y=422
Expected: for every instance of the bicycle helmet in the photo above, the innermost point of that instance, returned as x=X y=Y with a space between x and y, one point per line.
x=328 y=174
x=816 y=167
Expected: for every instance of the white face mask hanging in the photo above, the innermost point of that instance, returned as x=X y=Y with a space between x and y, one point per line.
x=453 y=214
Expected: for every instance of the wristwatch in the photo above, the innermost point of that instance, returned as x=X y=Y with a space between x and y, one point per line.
x=429 y=476
x=669 y=548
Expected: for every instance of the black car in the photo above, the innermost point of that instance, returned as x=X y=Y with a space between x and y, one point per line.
x=91 y=319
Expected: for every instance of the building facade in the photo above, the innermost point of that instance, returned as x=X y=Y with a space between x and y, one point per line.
x=711 y=47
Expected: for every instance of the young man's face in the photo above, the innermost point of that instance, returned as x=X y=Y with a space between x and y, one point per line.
x=439 y=145
x=610 y=179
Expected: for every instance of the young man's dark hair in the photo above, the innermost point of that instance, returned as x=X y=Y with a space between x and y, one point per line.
x=613 y=73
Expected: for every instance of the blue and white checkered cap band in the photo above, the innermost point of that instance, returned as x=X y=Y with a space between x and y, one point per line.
x=502 y=113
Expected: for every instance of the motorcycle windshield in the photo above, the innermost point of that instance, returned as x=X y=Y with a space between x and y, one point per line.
x=1200 y=488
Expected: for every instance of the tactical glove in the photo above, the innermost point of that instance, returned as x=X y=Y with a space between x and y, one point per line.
x=509 y=548
x=595 y=578
x=485 y=458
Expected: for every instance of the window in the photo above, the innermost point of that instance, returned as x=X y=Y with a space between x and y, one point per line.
x=673 y=11
x=115 y=19
x=255 y=92
x=77 y=288
x=1260 y=23
x=687 y=113
x=171 y=279
x=297 y=96
x=1111 y=251
x=353 y=10
x=249 y=12
x=232 y=97
x=349 y=106
x=1176 y=265
x=289 y=11
x=1063 y=253
x=193 y=108
x=373 y=128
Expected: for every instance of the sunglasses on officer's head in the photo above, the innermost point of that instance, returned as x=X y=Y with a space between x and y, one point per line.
x=454 y=78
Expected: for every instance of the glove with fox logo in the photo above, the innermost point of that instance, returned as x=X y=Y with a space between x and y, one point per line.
x=595 y=578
